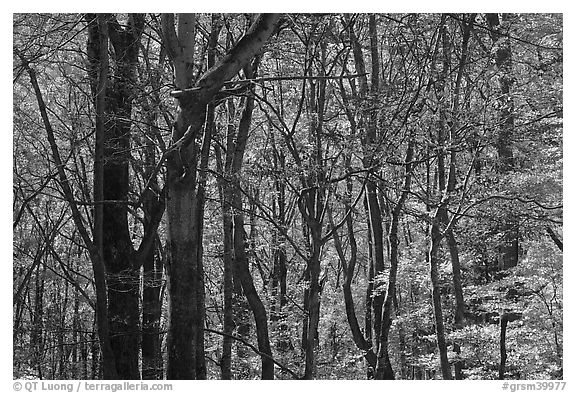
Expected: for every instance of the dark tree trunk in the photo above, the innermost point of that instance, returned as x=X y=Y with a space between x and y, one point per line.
x=118 y=253
x=313 y=304
x=374 y=210
x=555 y=238
x=36 y=333
x=240 y=256
x=235 y=243
x=123 y=275
x=98 y=72
x=509 y=244
x=503 y=355
x=349 y=267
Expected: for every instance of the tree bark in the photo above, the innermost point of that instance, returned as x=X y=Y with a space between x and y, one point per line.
x=123 y=274
x=184 y=202
x=113 y=149
x=503 y=355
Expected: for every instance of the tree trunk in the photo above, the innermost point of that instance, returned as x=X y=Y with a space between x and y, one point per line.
x=451 y=186
x=185 y=199
x=509 y=243
x=368 y=122
x=256 y=305
x=152 y=362
x=98 y=58
x=435 y=239
x=241 y=257
x=383 y=365
x=503 y=356
x=227 y=259
x=117 y=249
x=36 y=333
x=349 y=268
x=279 y=272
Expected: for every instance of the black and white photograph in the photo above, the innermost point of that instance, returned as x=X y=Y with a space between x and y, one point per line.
x=287 y=196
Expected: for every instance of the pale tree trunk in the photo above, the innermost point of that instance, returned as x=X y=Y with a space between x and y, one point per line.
x=189 y=151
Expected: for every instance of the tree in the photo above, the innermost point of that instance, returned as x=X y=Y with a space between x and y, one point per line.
x=185 y=195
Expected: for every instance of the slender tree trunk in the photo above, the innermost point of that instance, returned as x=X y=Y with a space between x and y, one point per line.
x=258 y=310
x=241 y=257
x=313 y=305
x=368 y=122
x=451 y=186
x=502 y=51
x=503 y=355
x=152 y=363
x=228 y=260
x=279 y=272
x=312 y=206
x=459 y=298
x=349 y=267
x=36 y=333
